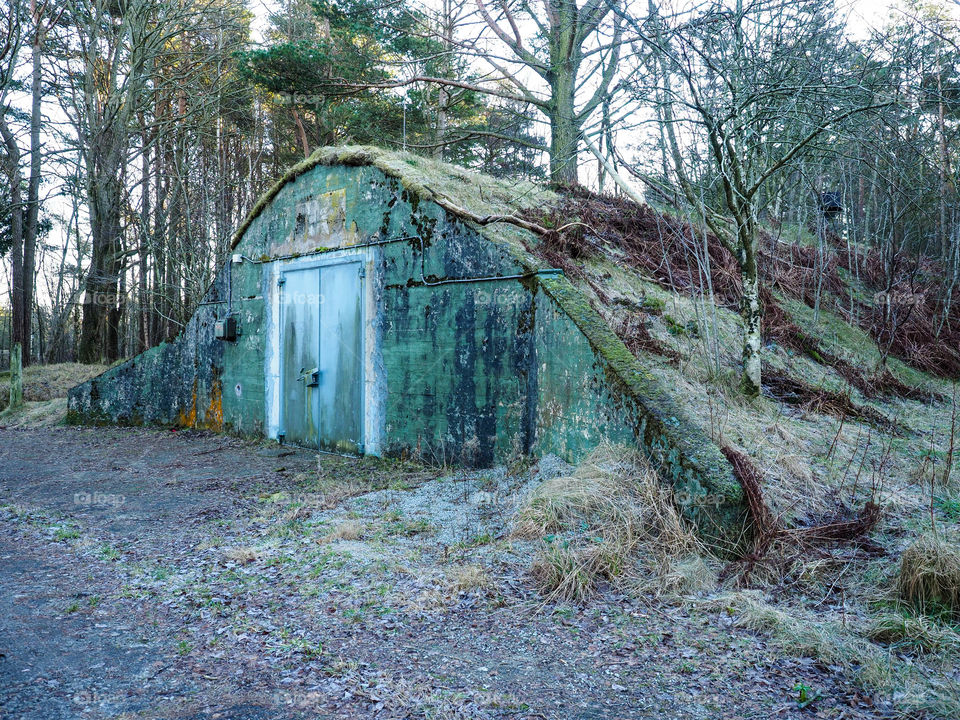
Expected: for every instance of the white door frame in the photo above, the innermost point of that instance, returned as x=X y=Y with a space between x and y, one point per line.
x=372 y=394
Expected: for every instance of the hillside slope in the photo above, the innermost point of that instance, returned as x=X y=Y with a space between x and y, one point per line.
x=852 y=440
x=828 y=393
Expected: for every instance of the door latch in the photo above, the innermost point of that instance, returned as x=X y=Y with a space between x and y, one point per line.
x=311 y=377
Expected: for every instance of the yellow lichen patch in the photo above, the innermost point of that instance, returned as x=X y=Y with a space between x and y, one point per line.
x=188 y=418
x=213 y=419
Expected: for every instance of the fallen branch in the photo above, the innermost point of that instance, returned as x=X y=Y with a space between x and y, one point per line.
x=768 y=529
x=462 y=212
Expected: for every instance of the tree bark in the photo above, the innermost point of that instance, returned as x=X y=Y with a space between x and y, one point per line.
x=751 y=310
x=564 y=125
x=16 y=378
x=98 y=342
x=15 y=178
x=564 y=132
x=33 y=187
x=143 y=314
x=752 y=315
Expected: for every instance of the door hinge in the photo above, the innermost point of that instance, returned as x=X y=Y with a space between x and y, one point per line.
x=281 y=281
x=363 y=271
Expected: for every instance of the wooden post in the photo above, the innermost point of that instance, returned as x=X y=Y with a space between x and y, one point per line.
x=16 y=378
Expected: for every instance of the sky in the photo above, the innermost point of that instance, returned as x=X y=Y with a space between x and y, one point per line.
x=863 y=14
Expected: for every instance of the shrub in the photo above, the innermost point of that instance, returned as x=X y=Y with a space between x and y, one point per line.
x=930 y=576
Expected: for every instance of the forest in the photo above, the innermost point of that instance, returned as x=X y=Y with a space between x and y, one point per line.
x=138 y=134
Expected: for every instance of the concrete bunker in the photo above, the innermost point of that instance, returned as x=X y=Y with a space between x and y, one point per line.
x=364 y=311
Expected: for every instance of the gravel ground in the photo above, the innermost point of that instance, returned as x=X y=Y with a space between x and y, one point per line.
x=158 y=574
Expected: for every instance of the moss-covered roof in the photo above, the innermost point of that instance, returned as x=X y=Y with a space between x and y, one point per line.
x=430 y=180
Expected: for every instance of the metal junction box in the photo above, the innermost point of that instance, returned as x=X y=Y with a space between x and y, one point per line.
x=226 y=328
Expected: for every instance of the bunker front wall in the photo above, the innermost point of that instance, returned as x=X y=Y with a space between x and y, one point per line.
x=452 y=337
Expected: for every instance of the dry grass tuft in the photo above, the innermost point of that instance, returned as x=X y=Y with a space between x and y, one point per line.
x=690 y=575
x=612 y=520
x=930 y=576
x=569 y=574
x=347 y=530
x=241 y=555
x=464 y=578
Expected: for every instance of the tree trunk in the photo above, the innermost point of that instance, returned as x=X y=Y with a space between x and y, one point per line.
x=751 y=313
x=301 y=133
x=33 y=189
x=16 y=378
x=15 y=178
x=143 y=315
x=98 y=342
x=944 y=173
x=564 y=130
x=564 y=64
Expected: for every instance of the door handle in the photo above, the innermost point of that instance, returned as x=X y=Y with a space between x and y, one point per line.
x=311 y=377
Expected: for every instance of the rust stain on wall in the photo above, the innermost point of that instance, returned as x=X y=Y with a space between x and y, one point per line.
x=213 y=420
x=188 y=418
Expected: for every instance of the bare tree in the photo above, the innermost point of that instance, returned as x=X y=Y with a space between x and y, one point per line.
x=742 y=92
x=25 y=217
x=570 y=53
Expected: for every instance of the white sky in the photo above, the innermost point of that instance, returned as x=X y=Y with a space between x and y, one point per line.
x=863 y=14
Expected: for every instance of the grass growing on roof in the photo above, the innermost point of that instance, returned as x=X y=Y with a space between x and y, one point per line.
x=430 y=179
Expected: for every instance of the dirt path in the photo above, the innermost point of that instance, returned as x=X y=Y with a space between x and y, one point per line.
x=152 y=574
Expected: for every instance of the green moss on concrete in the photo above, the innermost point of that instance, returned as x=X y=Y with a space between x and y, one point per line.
x=683 y=452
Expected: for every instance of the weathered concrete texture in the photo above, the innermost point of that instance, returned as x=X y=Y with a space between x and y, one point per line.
x=592 y=388
x=480 y=354
x=178 y=383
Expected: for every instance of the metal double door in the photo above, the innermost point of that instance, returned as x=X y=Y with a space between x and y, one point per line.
x=321 y=337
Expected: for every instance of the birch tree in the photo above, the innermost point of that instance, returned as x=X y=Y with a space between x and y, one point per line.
x=742 y=92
